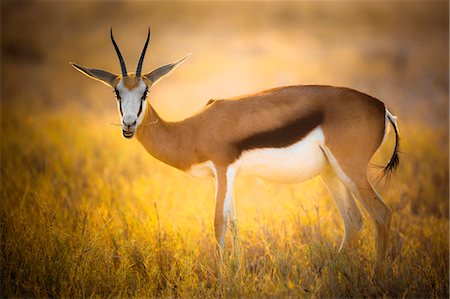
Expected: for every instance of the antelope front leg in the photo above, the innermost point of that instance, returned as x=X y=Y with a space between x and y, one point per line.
x=224 y=203
x=234 y=228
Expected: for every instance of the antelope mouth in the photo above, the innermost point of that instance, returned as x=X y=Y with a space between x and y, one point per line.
x=127 y=134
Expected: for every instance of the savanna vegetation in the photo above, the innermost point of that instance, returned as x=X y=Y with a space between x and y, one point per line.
x=85 y=213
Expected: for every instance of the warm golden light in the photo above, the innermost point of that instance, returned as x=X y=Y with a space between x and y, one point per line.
x=84 y=212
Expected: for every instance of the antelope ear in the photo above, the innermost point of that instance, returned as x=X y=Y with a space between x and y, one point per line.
x=164 y=70
x=99 y=75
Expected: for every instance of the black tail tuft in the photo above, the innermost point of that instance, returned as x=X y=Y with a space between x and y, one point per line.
x=395 y=161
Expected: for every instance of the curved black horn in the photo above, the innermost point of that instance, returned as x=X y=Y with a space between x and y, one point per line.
x=141 y=60
x=122 y=62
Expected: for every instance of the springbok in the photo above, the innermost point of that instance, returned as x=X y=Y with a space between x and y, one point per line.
x=286 y=134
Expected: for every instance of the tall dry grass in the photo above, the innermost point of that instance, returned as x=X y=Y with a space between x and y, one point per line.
x=83 y=214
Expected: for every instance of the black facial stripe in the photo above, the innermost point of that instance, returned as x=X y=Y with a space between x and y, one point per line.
x=144 y=95
x=283 y=136
x=140 y=109
x=117 y=94
x=120 y=108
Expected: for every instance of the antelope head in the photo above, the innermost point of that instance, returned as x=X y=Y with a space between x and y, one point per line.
x=130 y=89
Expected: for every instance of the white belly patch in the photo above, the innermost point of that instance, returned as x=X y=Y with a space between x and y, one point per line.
x=298 y=162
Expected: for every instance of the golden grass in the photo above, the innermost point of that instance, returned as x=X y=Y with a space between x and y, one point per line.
x=85 y=213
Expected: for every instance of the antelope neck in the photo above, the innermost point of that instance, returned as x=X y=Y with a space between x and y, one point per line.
x=162 y=139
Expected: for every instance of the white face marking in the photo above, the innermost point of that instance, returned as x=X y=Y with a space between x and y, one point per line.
x=132 y=106
x=296 y=163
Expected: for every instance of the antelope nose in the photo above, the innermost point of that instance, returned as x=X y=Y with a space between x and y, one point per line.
x=129 y=122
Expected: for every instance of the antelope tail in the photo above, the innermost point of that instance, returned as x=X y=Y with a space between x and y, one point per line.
x=394 y=161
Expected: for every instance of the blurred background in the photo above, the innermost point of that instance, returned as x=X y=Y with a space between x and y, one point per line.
x=395 y=51
x=84 y=212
